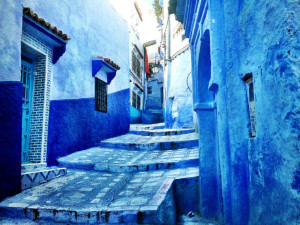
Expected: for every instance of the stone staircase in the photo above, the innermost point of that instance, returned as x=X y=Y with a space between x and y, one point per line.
x=136 y=178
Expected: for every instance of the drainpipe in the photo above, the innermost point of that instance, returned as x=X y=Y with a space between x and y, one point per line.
x=169 y=62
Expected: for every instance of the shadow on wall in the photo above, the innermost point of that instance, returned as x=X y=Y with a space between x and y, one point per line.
x=10 y=138
x=75 y=125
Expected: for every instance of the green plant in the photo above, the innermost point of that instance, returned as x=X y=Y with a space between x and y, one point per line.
x=158 y=8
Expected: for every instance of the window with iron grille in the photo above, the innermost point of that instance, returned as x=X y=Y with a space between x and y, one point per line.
x=133 y=62
x=136 y=65
x=138 y=102
x=100 y=95
x=133 y=101
x=251 y=103
x=149 y=90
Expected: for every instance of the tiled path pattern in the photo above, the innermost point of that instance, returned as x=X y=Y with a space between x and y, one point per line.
x=94 y=191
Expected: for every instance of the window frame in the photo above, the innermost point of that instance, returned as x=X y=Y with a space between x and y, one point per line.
x=100 y=95
x=136 y=66
x=248 y=79
x=136 y=100
x=149 y=88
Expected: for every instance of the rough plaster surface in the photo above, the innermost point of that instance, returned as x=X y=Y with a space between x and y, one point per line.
x=10 y=40
x=10 y=137
x=180 y=113
x=75 y=124
x=260 y=175
x=95 y=29
x=273 y=57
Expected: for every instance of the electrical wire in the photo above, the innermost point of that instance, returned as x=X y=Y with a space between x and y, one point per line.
x=187 y=83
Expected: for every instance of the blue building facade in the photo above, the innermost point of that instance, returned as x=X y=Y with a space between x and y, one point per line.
x=246 y=94
x=137 y=77
x=73 y=90
x=153 y=111
x=178 y=105
x=179 y=110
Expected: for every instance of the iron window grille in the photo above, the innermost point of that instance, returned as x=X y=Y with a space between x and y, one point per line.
x=136 y=65
x=100 y=95
x=135 y=100
x=138 y=102
x=251 y=103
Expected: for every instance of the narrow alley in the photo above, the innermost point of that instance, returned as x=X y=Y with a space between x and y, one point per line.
x=157 y=112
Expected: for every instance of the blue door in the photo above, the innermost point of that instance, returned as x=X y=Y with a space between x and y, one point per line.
x=27 y=68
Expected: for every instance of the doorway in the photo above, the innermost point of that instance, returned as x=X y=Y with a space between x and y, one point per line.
x=27 y=78
x=207 y=128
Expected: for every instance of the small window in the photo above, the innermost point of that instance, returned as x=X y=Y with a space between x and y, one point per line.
x=133 y=62
x=149 y=90
x=251 y=104
x=100 y=95
x=138 y=68
x=136 y=65
x=138 y=102
x=133 y=99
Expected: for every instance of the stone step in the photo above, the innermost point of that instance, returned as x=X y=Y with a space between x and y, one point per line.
x=163 y=132
x=147 y=126
x=40 y=175
x=120 y=160
x=33 y=166
x=90 y=197
x=139 y=142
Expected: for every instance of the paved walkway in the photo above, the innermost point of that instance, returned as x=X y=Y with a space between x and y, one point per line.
x=140 y=142
x=110 y=160
x=97 y=197
x=117 y=184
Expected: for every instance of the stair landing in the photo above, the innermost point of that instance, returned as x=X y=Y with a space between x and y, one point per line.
x=93 y=197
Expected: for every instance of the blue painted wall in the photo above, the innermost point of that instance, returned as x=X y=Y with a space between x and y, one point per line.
x=10 y=40
x=75 y=125
x=135 y=115
x=258 y=177
x=153 y=100
x=180 y=109
x=153 y=111
x=95 y=29
x=10 y=98
x=10 y=137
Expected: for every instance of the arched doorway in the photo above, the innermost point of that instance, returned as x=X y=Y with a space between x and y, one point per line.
x=207 y=125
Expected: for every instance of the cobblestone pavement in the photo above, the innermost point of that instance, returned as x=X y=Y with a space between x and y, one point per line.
x=140 y=139
x=141 y=142
x=115 y=185
x=87 y=195
x=147 y=126
x=130 y=160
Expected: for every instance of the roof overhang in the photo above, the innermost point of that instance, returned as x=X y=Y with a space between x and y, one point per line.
x=105 y=67
x=35 y=29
